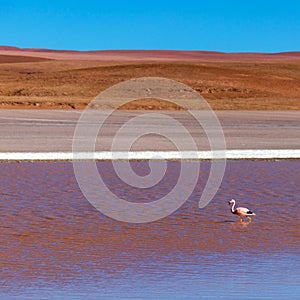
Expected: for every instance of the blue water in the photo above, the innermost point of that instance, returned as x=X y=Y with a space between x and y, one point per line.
x=219 y=276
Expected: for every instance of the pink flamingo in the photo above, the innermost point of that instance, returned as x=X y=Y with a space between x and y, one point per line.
x=241 y=211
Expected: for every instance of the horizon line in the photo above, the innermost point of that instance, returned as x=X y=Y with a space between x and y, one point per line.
x=38 y=49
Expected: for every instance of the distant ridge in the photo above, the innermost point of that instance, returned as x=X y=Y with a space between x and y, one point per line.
x=13 y=48
x=147 y=54
x=288 y=53
x=208 y=52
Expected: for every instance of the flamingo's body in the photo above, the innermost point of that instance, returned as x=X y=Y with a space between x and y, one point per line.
x=241 y=211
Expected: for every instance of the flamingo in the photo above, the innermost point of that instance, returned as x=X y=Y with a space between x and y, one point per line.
x=241 y=211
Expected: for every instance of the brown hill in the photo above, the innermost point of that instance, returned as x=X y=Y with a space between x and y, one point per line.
x=42 y=78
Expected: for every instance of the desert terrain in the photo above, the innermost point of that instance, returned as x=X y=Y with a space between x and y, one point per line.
x=52 y=79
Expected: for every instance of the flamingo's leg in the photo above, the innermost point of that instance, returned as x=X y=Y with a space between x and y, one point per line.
x=241 y=220
x=249 y=218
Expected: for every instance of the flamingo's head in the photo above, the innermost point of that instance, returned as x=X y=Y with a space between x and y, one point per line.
x=231 y=201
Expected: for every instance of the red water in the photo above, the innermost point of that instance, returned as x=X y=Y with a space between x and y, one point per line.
x=53 y=242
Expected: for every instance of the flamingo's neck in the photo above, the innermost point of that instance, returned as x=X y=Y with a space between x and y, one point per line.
x=232 y=207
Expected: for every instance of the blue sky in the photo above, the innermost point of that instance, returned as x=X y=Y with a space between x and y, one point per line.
x=230 y=26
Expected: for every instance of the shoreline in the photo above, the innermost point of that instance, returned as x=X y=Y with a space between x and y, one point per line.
x=30 y=135
x=237 y=154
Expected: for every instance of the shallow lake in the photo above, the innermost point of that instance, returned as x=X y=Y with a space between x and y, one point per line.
x=56 y=245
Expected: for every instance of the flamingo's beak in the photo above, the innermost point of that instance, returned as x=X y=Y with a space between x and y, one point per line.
x=229 y=202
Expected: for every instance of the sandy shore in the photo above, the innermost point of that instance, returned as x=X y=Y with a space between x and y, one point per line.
x=53 y=130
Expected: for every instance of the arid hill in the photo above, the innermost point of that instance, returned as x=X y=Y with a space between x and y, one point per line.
x=41 y=78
